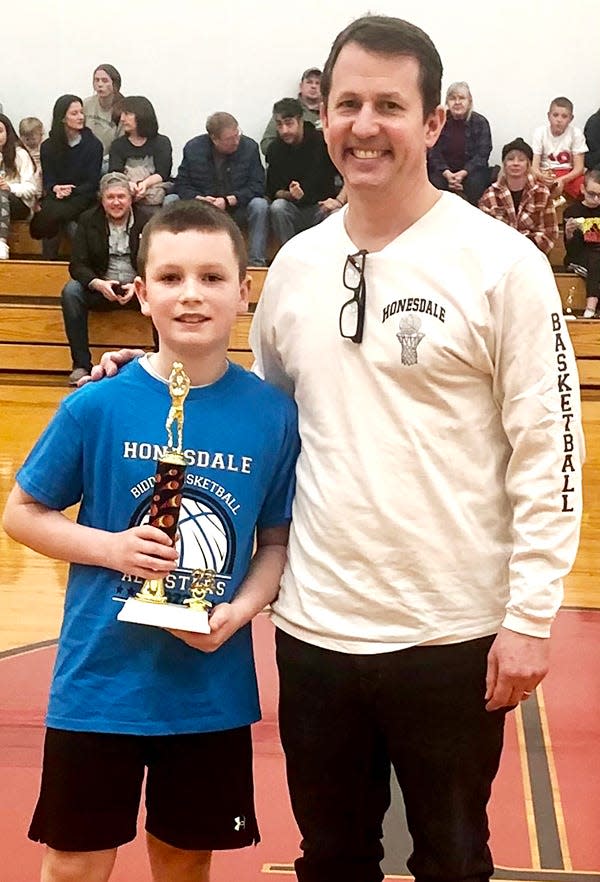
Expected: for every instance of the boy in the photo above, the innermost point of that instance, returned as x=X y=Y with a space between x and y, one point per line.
x=125 y=697
x=31 y=133
x=582 y=238
x=558 y=150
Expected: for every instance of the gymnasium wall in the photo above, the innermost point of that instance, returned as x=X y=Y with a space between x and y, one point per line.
x=191 y=57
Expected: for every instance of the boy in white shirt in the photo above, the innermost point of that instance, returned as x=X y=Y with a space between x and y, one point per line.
x=559 y=148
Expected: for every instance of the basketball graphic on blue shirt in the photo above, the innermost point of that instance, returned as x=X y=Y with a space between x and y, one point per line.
x=202 y=542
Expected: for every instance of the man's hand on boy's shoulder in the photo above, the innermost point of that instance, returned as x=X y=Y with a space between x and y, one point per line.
x=110 y=364
x=224 y=621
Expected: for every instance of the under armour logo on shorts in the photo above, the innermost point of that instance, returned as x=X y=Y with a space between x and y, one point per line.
x=240 y=823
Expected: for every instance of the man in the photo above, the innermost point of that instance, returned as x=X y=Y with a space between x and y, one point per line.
x=223 y=167
x=438 y=485
x=300 y=175
x=309 y=96
x=102 y=268
x=438 y=495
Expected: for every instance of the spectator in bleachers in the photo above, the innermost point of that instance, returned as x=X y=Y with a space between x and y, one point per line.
x=31 y=133
x=71 y=162
x=520 y=201
x=591 y=133
x=300 y=174
x=459 y=160
x=103 y=109
x=582 y=238
x=103 y=266
x=143 y=155
x=559 y=150
x=17 y=182
x=309 y=96
x=223 y=167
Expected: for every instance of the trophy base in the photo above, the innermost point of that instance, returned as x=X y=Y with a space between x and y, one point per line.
x=164 y=615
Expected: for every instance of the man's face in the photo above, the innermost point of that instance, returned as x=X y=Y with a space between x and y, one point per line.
x=373 y=122
x=289 y=128
x=559 y=118
x=459 y=104
x=310 y=89
x=228 y=141
x=116 y=202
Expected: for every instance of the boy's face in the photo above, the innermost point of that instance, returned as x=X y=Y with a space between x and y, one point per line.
x=32 y=139
x=193 y=293
x=590 y=191
x=559 y=118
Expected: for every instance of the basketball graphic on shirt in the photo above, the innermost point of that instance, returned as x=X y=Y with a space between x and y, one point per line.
x=202 y=542
x=409 y=335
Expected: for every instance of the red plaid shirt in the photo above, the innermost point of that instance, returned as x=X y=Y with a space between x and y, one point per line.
x=536 y=217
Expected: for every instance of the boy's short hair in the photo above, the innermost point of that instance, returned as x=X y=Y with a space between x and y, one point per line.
x=592 y=174
x=391 y=37
x=30 y=124
x=288 y=108
x=193 y=214
x=561 y=101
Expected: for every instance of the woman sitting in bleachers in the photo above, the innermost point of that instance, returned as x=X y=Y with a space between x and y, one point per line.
x=459 y=160
x=71 y=164
x=103 y=109
x=519 y=200
x=17 y=181
x=143 y=155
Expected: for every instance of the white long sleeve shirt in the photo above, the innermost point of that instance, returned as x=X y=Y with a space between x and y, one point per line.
x=439 y=483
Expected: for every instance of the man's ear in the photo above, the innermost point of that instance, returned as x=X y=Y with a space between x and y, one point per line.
x=434 y=125
x=139 y=286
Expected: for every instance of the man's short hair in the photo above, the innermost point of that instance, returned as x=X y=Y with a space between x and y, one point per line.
x=218 y=122
x=561 y=101
x=592 y=174
x=288 y=108
x=384 y=35
x=311 y=72
x=193 y=214
x=113 y=179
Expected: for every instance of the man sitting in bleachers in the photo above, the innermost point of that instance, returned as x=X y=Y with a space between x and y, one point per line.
x=309 y=96
x=223 y=167
x=103 y=266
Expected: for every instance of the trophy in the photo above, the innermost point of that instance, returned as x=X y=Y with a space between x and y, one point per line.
x=150 y=605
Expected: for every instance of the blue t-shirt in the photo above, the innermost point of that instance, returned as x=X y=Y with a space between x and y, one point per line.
x=241 y=443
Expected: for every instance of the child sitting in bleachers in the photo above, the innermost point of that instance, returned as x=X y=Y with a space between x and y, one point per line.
x=17 y=182
x=582 y=238
x=31 y=133
x=559 y=149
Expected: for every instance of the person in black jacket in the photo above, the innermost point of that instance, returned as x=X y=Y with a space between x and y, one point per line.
x=592 y=139
x=223 y=167
x=300 y=174
x=71 y=160
x=103 y=266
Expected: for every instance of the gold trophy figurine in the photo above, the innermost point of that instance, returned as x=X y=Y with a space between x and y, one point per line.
x=150 y=605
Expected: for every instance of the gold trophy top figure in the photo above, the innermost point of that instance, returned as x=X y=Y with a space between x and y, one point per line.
x=179 y=386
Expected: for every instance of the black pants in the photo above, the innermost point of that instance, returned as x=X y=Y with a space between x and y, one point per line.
x=473 y=185
x=55 y=216
x=345 y=719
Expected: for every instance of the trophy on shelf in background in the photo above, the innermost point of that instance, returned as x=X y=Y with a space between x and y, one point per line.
x=569 y=304
x=150 y=605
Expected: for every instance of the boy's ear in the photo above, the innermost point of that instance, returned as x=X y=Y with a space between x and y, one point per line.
x=140 y=292
x=245 y=286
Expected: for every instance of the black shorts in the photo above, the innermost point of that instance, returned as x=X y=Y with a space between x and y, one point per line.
x=199 y=790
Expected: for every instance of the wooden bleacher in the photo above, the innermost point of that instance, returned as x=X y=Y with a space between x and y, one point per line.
x=33 y=342
x=32 y=336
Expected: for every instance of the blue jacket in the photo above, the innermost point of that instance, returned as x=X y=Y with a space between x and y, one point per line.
x=243 y=171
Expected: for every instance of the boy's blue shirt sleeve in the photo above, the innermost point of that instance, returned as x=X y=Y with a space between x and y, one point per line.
x=53 y=472
x=277 y=507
